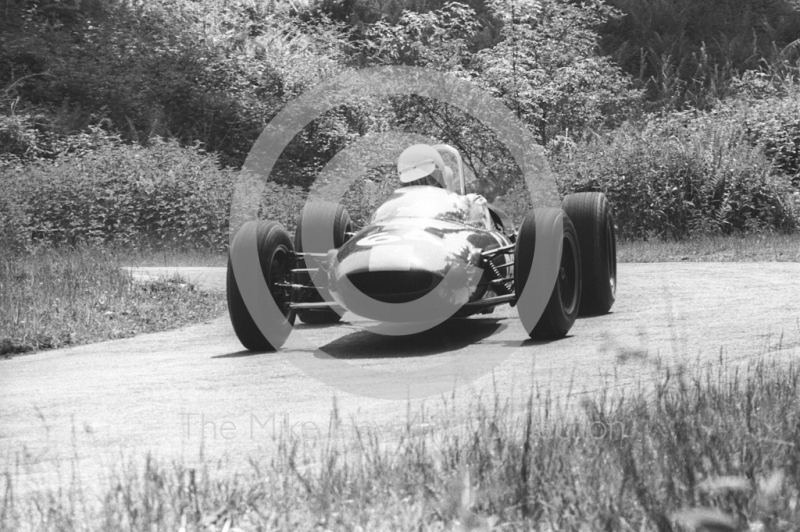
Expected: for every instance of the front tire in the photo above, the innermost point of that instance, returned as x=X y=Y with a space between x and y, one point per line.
x=591 y=214
x=321 y=218
x=562 y=308
x=276 y=257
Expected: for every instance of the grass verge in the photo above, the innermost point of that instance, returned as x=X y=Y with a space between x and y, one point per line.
x=172 y=258
x=766 y=247
x=717 y=450
x=57 y=297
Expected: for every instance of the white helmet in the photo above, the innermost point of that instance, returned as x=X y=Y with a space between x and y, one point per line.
x=421 y=164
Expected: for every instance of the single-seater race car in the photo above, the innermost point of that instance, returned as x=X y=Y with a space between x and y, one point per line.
x=427 y=254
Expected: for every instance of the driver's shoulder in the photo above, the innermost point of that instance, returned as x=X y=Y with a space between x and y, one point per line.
x=476 y=199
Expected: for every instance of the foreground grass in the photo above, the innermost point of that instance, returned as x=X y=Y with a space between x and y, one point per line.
x=766 y=247
x=53 y=298
x=720 y=448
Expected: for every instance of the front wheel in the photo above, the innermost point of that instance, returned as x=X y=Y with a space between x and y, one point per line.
x=562 y=307
x=275 y=255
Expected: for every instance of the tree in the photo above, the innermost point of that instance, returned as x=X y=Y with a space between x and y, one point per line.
x=548 y=69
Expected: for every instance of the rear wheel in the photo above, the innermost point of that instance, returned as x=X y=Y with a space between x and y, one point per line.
x=562 y=308
x=276 y=257
x=319 y=219
x=590 y=212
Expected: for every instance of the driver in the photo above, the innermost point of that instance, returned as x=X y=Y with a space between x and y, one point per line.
x=421 y=164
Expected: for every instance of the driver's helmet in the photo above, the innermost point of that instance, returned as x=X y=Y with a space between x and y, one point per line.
x=421 y=164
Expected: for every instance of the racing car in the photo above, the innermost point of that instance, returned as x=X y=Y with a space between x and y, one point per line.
x=425 y=255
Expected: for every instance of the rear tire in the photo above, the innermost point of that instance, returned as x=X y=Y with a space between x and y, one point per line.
x=591 y=214
x=275 y=252
x=562 y=307
x=319 y=217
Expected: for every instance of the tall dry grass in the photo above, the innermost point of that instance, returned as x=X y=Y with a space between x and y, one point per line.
x=717 y=447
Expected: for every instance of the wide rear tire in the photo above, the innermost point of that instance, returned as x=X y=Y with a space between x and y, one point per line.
x=322 y=218
x=562 y=308
x=592 y=216
x=275 y=254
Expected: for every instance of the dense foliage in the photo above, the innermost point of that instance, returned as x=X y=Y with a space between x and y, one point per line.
x=690 y=52
x=633 y=98
x=127 y=195
x=684 y=174
x=546 y=70
x=171 y=68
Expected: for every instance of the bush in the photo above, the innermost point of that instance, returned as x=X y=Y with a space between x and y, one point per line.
x=162 y=195
x=774 y=124
x=683 y=174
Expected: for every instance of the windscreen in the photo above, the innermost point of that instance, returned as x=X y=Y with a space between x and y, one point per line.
x=431 y=203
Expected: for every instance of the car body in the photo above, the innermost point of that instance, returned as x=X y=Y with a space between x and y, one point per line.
x=428 y=254
x=420 y=240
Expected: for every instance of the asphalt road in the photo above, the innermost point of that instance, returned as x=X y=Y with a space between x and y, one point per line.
x=181 y=393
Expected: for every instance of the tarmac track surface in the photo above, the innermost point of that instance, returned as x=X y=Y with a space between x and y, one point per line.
x=181 y=393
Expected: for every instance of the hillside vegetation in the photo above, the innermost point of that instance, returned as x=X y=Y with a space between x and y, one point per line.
x=127 y=121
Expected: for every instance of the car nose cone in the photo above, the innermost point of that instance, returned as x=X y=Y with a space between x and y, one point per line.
x=393 y=286
x=401 y=280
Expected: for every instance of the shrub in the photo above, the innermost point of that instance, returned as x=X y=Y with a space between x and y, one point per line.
x=683 y=174
x=130 y=196
x=774 y=124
